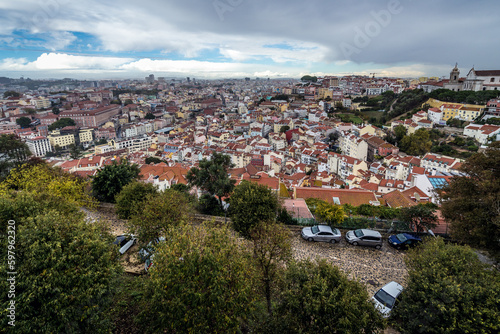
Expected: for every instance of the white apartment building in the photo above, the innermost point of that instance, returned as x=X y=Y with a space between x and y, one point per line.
x=39 y=145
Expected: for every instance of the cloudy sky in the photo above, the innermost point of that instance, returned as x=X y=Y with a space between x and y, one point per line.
x=237 y=38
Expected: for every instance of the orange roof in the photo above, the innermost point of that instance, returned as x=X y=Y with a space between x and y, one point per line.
x=345 y=196
x=396 y=199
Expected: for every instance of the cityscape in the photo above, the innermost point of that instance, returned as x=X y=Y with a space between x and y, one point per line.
x=215 y=142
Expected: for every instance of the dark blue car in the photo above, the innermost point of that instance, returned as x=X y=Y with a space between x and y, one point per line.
x=403 y=240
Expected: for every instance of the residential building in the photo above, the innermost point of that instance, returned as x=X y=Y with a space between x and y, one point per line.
x=38 y=145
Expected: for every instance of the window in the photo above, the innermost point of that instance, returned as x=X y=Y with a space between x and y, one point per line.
x=492 y=80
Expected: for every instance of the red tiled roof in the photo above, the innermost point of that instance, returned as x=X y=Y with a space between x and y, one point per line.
x=396 y=199
x=346 y=196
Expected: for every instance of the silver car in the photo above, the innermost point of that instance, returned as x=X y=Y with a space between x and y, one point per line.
x=321 y=233
x=385 y=298
x=364 y=237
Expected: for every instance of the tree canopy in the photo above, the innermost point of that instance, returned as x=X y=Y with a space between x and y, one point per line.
x=309 y=78
x=250 y=204
x=201 y=282
x=132 y=197
x=40 y=178
x=420 y=217
x=449 y=291
x=319 y=298
x=417 y=143
x=66 y=267
x=471 y=202
x=23 y=122
x=212 y=176
x=13 y=153
x=109 y=181
x=61 y=123
x=271 y=249
x=160 y=213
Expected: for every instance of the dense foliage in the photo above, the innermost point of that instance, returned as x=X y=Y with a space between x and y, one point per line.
x=407 y=101
x=13 y=153
x=420 y=217
x=319 y=298
x=471 y=202
x=40 y=178
x=109 y=181
x=212 y=176
x=449 y=291
x=160 y=213
x=61 y=123
x=132 y=197
x=464 y=96
x=23 y=122
x=201 y=282
x=66 y=267
x=250 y=204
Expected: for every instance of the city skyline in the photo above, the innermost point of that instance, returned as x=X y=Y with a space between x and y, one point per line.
x=241 y=38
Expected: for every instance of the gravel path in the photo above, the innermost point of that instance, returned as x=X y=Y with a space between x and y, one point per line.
x=374 y=268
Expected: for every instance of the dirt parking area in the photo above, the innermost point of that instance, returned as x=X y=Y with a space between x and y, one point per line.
x=374 y=268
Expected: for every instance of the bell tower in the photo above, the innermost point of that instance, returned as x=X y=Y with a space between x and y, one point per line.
x=454 y=74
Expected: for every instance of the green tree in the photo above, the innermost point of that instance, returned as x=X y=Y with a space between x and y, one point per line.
x=159 y=215
x=417 y=143
x=201 y=282
x=250 y=204
x=152 y=160
x=284 y=128
x=329 y=213
x=319 y=298
x=449 y=291
x=66 y=268
x=149 y=115
x=56 y=111
x=470 y=203
x=419 y=217
x=61 y=123
x=128 y=101
x=109 y=181
x=75 y=152
x=271 y=249
x=13 y=153
x=132 y=197
x=10 y=93
x=209 y=205
x=40 y=178
x=400 y=132
x=212 y=176
x=23 y=122
x=309 y=78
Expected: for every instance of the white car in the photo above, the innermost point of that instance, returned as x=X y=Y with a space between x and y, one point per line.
x=385 y=298
x=125 y=242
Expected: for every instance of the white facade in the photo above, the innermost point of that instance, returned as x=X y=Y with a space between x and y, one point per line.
x=39 y=146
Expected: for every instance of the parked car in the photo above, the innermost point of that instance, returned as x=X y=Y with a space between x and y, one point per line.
x=364 y=237
x=321 y=233
x=403 y=240
x=385 y=298
x=125 y=242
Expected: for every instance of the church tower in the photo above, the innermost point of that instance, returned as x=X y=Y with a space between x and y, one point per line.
x=454 y=74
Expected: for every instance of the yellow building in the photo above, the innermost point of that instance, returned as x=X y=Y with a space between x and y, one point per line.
x=56 y=139
x=323 y=93
x=86 y=135
x=450 y=110
x=468 y=113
